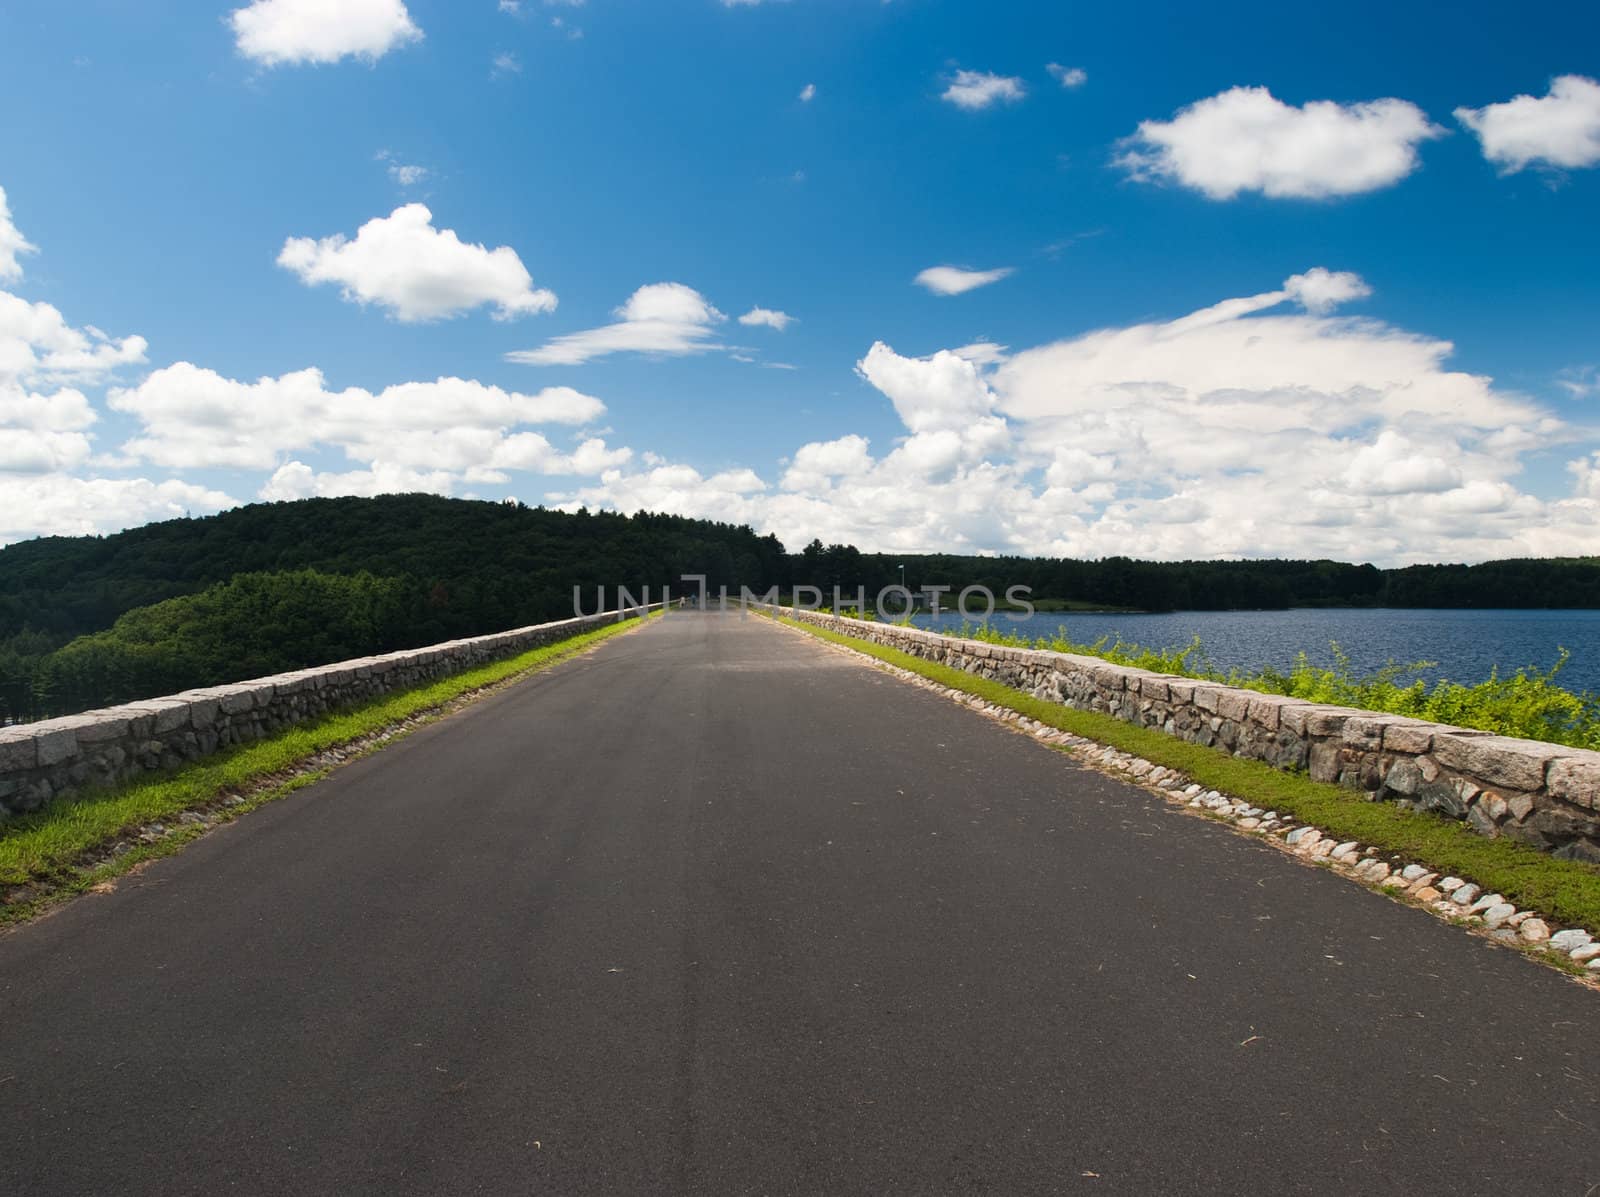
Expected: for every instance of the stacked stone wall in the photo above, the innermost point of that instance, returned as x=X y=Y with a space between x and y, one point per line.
x=40 y=761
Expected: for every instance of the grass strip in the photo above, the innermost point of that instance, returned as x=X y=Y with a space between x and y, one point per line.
x=1568 y=890
x=44 y=845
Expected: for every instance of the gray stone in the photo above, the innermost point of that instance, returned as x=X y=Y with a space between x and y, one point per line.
x=1404 y=778
x=1363 y=731
x=1498 y=913
x=1576 y=779
x=1501 y=760
x=1234 y=705
x=1266 y=710
x=1483 y=903
x=1564 y=824
x=1584 y=850
x=1585 y=952
x=1442 y=797
x=101 y=727
x=1408 y=735
x=203 y=712
x=1481 y=821
x=56 y=746
x=1324 y=761
x=172 y=714
x=1572 y=937
x=18 y=750
x=1465 y=895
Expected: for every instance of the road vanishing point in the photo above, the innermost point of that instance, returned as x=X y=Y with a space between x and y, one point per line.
x=718 y=908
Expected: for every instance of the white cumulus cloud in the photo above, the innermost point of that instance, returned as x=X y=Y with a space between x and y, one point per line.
x=13 y=245
x=279 y=32
x=1321 y=290
x=766 y=317
x=664 y=318
x=1249 y=427
x=402 y=263
x=1068 y=77
x=1245 y=139
x=38 y=346
x=973 y=90
x=952 y=280
x=1559 y=129
x=64 y=505
x=808 y=93
x=192 y=417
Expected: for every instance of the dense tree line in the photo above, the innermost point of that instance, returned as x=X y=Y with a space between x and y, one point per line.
x=90 y=620
x=1218 y=585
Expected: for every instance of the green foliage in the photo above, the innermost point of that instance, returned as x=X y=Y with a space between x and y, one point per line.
x=1568 y=890
x=249 y=626
x=1528 y=704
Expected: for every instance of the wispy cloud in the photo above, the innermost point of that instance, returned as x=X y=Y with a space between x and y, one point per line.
x=766 y=317
x=1068 y=77
x=664 y=318
x=953 y=280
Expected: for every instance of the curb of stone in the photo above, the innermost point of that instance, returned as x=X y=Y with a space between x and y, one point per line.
x=1454 y=899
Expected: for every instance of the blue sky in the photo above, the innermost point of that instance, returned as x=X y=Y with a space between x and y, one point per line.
x=183 y=173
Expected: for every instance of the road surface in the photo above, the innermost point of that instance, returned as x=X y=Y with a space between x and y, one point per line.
x=718 y=909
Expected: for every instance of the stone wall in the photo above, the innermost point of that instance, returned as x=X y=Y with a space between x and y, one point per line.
x=39 y=761
x=1547 y=795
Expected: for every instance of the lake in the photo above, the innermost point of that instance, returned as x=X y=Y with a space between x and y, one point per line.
x=1465 y=644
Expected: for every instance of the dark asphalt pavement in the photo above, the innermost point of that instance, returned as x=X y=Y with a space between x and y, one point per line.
x=717 y=909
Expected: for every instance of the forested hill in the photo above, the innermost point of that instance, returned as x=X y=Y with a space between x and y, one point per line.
x=504 y=564
x=86 y=621
x=279 y=586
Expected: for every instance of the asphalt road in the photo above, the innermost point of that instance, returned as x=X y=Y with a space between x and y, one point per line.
x=718 y=909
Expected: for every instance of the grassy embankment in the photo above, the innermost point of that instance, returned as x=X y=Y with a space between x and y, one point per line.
x=1567 y=890
x=46 y=845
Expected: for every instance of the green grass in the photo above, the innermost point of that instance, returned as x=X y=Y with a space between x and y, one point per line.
x=45 y=845
x=1528 y=704
x=1567 y=890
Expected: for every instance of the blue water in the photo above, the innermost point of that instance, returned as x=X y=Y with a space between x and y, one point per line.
x=1465 y=645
